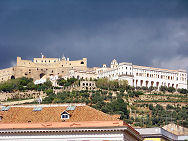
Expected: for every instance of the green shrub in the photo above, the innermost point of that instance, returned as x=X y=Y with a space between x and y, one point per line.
x=171 y=89
x=183 y=91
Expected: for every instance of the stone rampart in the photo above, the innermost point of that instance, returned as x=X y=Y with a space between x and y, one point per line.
x=40 y=67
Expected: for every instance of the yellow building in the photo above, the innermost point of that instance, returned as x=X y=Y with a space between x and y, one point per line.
x=155 y=139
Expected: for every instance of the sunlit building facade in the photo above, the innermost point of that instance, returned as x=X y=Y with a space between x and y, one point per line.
x=142 y=76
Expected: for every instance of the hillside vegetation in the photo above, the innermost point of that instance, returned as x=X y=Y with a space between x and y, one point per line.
x=141 y=106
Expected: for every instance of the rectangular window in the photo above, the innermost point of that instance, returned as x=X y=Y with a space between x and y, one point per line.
x=64 y=116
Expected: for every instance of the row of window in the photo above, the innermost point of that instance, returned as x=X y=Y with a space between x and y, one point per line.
x=156 y=75
x=126 y=68
x=147 y=71
x=161 y=73
x=120 y=73
x=41 y=70
x=135 y=82
x=46 y=61
x=88 y=84
x=149 y=75
x=159 y=76
x=44 y=69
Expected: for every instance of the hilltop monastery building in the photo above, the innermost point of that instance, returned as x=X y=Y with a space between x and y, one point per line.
x=137 y=76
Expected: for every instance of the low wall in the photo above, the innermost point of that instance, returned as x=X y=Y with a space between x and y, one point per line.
x=21 y=95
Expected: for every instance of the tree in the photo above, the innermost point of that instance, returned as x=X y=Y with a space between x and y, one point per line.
x=68 y=82
x=183 y=91
x=163 y=89
x=151 y=88
x=134 y=93
x=169 y=107
x=48 y=83
x=61 y=81
x=102 y=83
x=31 y=86
x=120 y=105
x=131 y=88
x=15 y=84
x=123 y=83
x=159 y=107
x=24 y=81
x=72 y=80
x=151 y=106
x=114 y=85
x=171 y=89
x=7 y=87
x=49 y=91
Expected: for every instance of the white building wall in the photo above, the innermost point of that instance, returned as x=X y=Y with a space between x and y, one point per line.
x=81 y=74
x=139 y=76
x=68 y=137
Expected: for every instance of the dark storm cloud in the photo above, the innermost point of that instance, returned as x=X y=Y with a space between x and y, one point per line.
x=147 y=32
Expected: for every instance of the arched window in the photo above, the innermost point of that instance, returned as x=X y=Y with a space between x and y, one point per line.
x=12 y=77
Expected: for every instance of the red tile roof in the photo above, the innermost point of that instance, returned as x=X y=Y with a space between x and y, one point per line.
x=19 y=114
x=23 y=116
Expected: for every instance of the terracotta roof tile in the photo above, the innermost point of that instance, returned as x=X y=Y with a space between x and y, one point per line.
x=84 y=116
x=53 y=114
x=116 y=116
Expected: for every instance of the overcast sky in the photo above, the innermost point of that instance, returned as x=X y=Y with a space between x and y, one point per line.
x=144 y=32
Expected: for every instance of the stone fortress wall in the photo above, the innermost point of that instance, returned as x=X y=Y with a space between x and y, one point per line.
x=6 y=74
x=41 y=67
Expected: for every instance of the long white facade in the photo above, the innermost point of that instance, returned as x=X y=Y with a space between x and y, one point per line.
x=139 y=76
x=113 y=134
